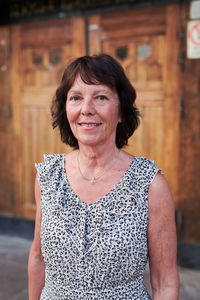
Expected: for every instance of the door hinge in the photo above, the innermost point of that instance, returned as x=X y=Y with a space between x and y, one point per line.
x=181 y=108
x=181 y=35
x=181 y=57
x=10 y=111
x=181 y=60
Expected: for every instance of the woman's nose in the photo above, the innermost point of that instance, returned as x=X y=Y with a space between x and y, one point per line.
x=87 y=107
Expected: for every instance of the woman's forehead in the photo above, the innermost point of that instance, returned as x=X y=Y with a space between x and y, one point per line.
x=93 y=85
x=79 y=81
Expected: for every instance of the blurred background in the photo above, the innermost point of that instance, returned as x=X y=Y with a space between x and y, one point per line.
x=157 y=43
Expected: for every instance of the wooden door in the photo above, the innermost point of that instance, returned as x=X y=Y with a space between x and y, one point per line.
x=6 y=142
x=40 y=52
x=145 y=43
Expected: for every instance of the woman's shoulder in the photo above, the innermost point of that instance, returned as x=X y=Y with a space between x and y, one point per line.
x=145 y=169
x=49 y=168
x=49 y=162
x=49 y=158
x=53 y=157
x=141 y=160
x=144 y=163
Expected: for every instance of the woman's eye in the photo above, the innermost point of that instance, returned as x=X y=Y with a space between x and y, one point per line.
x=74 y=98
x=102 y=97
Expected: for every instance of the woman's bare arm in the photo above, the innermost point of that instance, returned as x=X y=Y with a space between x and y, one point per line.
x=36 y=267
x=162 y=241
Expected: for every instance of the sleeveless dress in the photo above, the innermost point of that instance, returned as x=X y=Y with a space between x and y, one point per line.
x=94 y=251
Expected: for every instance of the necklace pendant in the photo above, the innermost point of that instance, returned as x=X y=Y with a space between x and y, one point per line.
x=92 y=180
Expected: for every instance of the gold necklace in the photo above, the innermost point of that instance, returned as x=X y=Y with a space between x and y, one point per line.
x=94 y=178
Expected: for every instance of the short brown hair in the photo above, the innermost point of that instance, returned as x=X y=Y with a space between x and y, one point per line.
x=96 y=69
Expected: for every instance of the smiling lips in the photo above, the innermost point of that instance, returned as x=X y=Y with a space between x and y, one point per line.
x=89 y=125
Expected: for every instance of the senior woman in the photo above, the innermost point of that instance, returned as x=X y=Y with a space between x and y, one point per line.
x=101 y=212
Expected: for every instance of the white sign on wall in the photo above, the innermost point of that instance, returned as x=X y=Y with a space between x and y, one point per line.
x=195 y=9
x=193 y=39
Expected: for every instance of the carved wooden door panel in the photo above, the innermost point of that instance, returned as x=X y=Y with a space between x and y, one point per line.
x=42 y=51
x=144 y=69
x=142 y=42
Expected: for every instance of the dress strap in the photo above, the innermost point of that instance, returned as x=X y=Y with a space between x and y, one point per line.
x=146 y=170
x=48 y=169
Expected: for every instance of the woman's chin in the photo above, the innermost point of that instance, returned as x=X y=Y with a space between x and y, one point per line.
x=88 y=143
x=91 y=141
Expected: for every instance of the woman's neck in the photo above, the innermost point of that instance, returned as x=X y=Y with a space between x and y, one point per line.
x=96 y=157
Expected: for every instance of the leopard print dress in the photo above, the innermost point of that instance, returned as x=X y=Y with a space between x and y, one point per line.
x=94 y=251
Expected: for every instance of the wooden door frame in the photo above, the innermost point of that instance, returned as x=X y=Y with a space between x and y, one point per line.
x=16 y=86
x=172 y=78
x=6 y=177
x=78 y=48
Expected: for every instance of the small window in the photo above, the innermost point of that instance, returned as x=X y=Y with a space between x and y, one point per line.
x=143 y=51
x=122 y=52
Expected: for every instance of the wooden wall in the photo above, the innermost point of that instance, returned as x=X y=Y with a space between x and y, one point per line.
x=189 y=199
x=6 y=134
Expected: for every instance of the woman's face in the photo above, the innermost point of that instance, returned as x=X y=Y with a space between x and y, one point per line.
x=93 y=113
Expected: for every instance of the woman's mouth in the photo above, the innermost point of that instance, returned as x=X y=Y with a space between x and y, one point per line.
x=89 y=125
